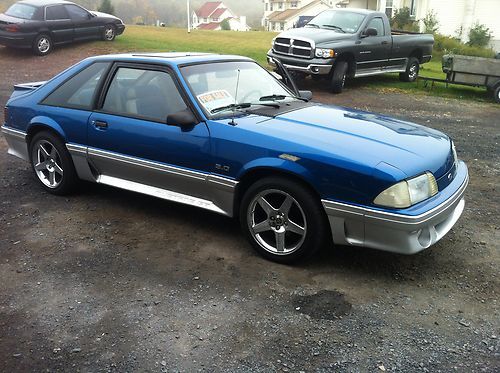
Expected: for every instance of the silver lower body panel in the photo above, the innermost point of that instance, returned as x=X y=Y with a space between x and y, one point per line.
x=404 y=234
x=17 y=142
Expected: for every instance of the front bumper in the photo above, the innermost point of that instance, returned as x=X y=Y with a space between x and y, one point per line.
x=399 y=233
x=315 y=66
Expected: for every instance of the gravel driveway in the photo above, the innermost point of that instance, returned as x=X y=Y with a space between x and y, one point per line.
x=108 y=280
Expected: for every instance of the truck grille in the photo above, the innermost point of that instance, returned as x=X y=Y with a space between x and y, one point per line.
x=293 y=47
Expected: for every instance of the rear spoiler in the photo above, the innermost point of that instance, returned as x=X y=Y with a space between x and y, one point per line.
x=20 y=89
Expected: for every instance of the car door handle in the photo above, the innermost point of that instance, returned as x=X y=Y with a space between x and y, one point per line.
x=100 y=124
x=385 y=42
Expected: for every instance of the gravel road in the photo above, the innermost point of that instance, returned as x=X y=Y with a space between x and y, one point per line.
x=108 y=280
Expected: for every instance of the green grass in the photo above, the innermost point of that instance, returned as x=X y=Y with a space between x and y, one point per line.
x=255 y=44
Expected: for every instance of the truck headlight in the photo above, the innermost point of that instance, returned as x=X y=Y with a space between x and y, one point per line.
x=324 y=53
x=408 y=192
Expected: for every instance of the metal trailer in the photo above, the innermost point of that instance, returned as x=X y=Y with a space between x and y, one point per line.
x=471 y=71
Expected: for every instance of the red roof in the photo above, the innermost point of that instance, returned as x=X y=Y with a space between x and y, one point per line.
x=209 y=26
x=218 y=13
x=208 y=8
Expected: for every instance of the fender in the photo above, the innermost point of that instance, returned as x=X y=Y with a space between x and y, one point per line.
x=46 y=122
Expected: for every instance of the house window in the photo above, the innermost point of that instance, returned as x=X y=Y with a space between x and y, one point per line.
x=205 y=20
x=267 y=7
x=271 y=7
x=388 y=8
x=413 y=8
x=280 y=5
x=282 y=26
x=216 y=20
x=294 y=4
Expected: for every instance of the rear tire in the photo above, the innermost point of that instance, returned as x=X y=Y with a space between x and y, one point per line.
x=52 y=163
x=42 y=45
x=282 y=220
x=412 y=70
x=339 y=76
x=496 y=94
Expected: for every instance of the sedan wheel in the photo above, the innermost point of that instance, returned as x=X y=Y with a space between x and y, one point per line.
x=42 y=45
x=282 y=219
x=109 y=33
x=52 y=163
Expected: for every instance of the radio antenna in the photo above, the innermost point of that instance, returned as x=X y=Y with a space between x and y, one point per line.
x=235 y=99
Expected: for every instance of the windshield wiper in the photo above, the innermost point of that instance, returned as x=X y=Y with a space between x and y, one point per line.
x=312 y=25
x=281 y=97
x=242 y=105
x=335 y=27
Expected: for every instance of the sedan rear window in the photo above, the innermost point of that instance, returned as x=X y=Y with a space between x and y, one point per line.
x=23 y=11
x=78 y=92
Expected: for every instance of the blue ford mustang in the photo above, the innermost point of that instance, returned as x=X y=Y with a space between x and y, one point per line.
x=222 y=133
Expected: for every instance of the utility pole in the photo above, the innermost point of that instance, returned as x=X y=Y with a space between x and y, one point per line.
x=189 y=18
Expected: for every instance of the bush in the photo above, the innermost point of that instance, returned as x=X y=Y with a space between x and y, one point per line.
x=447 y=45
x=402 y=20
x=224 y=25
x=431 y=23
x=479 y=35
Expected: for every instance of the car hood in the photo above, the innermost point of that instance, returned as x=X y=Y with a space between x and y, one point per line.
x=364 y=138
x=319 y=36
x=104 y=15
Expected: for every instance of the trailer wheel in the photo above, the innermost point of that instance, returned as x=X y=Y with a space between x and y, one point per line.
x=496 y=94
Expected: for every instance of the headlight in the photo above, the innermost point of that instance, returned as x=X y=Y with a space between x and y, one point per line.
x=324 y=53
x=454 y=150
x=408 y=192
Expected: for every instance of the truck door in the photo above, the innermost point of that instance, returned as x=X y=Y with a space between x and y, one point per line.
x=373 y=50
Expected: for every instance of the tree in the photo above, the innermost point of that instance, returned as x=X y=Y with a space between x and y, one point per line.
x=431 y=23
x=402 y=20
x=479 y=35
x=224 y=25
x=106 y=7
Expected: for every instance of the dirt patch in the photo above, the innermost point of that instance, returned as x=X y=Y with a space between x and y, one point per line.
x=324 y=305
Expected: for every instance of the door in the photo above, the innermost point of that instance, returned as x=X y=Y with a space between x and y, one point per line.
x=373 y=51
x=129 y=139
x=59 y=23
x=85 y=25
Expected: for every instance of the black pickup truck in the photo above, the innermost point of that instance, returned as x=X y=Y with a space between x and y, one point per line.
x=350 y=43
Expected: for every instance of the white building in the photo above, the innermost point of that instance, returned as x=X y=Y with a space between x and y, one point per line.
x=453 y=15
x=213 y=13
x=280 y=15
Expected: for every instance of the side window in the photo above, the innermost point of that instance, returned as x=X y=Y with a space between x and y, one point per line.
x=55 y=12
x=76 y=13
x=142 y=93
x=78 y=92
x=377 y=24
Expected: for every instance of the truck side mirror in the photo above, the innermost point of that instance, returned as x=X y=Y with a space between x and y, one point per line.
x=370 y=31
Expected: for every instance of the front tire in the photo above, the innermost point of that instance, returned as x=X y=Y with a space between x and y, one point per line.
x=42 y=45
x=496 y=94
x=109 y=33
x=412 y=70
x=282 y=220
x=52 y=163
x=339 y=76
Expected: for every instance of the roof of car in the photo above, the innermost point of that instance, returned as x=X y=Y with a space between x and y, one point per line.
x=172 y=58
x=44 y=2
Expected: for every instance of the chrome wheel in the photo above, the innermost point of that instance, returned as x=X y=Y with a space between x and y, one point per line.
x=276 y=222
x=43 y=44
x=109 y=33
x=47 y=164
x=413 y=71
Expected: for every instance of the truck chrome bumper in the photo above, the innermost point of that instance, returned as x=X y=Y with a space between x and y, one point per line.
x=309 y=69
x=403 y=234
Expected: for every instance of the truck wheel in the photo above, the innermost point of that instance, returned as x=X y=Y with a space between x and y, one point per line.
x=283 y=220
x=339 y=76
x=496 y=94
x=412 y=69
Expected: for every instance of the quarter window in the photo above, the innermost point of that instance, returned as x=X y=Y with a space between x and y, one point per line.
x=55 y=12
x=147 y=94
x=78 y=92
x=377 y=24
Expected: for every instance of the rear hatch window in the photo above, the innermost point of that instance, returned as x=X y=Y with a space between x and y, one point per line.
x=23 y=11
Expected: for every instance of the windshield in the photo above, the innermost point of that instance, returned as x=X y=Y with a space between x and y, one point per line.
x=214 y=85
x=23 y=11
x=339 y=21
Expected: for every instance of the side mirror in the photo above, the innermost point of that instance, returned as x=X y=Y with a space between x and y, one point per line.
x=184 y=119
x=370 y=31
x=308 y=95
